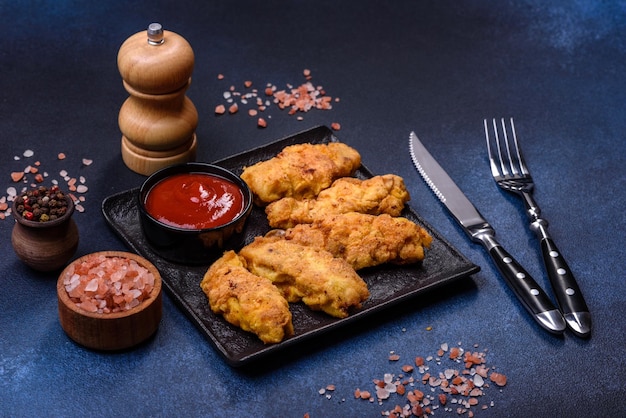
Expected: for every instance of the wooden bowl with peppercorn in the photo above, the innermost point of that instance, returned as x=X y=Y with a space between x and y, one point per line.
x=44 y=236
x=110 y=300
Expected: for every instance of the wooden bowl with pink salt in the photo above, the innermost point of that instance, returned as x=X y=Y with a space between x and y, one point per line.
x=110 y=300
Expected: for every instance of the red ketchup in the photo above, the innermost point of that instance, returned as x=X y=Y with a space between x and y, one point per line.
x=194 y=201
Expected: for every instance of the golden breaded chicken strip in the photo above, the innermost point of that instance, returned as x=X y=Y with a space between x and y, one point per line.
x=309 y=274
x=247 y=301
x=376 y=195
x=300 y=171
x=364 y=240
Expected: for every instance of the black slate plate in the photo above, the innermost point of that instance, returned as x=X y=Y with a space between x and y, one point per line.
x=388 y=285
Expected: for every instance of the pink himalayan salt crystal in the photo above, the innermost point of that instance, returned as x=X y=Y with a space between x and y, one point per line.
x=108 y=284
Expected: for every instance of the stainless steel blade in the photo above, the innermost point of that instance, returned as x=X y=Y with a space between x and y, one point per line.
x=444 y=187
x=524 y=286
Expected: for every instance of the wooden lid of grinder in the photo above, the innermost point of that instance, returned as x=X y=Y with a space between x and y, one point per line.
x=156 y=61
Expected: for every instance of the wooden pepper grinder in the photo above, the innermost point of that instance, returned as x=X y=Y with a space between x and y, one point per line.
x=158 y=121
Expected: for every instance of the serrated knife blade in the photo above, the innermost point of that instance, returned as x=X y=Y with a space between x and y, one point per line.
x=532 y=296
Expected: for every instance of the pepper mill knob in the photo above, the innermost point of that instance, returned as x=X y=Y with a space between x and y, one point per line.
x=158 y=121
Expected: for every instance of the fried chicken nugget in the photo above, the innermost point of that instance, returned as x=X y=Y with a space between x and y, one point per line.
x=364 y=240
x=247 y=301
x=376 y=195
x=300 y=171
x=309 y=274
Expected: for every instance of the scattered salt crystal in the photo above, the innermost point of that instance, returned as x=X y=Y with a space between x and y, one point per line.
x=382 y=393
x=82 y=179
x=87 y=161
x=28 y=153
x=478 y=380
x=63 y=173
x=81 y=188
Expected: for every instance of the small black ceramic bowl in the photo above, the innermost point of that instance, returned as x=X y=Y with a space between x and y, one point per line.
x=189 y=244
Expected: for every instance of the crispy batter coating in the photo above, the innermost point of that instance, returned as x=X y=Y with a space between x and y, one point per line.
x=379 y=194
x=364 y=240
x=300 y=171
x=309 y=274
x=247 y=301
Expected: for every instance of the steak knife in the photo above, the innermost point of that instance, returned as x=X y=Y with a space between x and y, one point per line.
x=532 y=296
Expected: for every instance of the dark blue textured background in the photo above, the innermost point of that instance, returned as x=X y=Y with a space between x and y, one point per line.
x=436 y=67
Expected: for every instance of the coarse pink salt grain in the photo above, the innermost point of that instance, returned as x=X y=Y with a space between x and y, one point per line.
x=101 y=284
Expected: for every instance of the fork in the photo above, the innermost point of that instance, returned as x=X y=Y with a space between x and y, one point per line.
x=510 y=172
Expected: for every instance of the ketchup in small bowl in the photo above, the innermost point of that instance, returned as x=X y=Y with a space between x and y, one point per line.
x=195 y=201
x=191 y=212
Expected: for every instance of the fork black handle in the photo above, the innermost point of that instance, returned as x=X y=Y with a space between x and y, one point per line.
x=568 y=294
x=535 y=300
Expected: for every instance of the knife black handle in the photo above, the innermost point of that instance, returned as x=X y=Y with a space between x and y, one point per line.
x=533 y=297
x=568 y=294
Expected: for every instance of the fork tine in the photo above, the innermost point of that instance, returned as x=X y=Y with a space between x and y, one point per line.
x=510 y=158
x=503 y=167
x=518 y=150
x=492 y=161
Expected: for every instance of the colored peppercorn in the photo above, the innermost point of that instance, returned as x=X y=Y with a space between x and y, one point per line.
x=42 y=204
